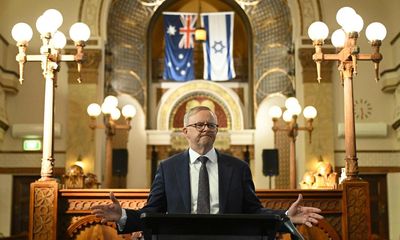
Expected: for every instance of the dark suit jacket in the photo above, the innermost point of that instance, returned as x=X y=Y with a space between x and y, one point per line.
x=170 y=191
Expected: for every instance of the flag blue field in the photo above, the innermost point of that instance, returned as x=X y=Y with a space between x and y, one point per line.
x=218 y=48
x=179 y=31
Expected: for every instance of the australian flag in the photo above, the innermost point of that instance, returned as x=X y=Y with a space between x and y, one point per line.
x=218 y=48
x=179 y=42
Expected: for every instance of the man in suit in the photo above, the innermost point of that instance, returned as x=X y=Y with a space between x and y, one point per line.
x=200 y=180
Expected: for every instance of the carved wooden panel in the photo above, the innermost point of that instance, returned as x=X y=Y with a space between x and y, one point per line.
x=79 y=224
x=43 y=210
x=356 y=213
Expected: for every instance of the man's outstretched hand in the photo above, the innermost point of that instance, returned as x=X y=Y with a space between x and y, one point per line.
x=303 y=215
x=108 y=212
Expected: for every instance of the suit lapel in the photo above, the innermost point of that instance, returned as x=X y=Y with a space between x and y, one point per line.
x=224 y=179
x=183 y=179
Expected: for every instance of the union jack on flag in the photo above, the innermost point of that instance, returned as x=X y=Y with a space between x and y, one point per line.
x=187 y=30
x=179 y=31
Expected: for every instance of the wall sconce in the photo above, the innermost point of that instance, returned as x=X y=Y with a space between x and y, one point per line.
x=111 y=115
x=50 y=57
x=348 y=53
x=293 y=109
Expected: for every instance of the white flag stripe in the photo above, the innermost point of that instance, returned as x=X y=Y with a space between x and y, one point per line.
x=218 y=61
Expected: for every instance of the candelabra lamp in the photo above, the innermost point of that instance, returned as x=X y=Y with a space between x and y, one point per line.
x=290 y=115
x=348 y=54
x=111 y=115
x=53 y=41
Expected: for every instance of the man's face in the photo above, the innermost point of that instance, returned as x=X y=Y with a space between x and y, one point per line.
x=201 y=131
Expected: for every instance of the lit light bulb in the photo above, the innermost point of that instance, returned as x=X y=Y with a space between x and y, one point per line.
x=338 y=38
x=115 y=114
x=59 y=40
x=79 y=32
x=128 y=111
x=112 y=100
x=275 y=112
x=93 y=110
x=22 y=32
x=375 y=31
x=53 y=19
x=318 y=31
x=291 y=102
x=310 y=112
x=355 y=24
x=287 y=116
x=344 y=15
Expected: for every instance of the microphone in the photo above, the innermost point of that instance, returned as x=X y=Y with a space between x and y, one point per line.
x=290 y=226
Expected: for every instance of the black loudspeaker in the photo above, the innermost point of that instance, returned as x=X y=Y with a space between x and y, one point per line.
x=120 y=162
x=270 y=162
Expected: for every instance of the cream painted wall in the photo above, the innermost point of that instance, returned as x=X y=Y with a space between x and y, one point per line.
x=394 y=207
x=5 y=204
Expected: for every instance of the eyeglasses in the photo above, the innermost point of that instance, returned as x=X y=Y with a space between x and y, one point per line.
x=200 y=126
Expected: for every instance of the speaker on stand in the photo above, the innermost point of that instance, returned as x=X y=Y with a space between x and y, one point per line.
x=270 y=159
x=120 y=164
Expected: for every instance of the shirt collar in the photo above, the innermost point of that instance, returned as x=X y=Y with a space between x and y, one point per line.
x=212 y=155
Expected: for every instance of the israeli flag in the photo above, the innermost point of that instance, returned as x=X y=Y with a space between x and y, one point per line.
x=218 y=48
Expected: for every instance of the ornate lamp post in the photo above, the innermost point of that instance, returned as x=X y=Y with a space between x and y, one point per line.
x=345 y=40
x=53 y=41
x=293 y=109
x=45 y=191
x=111 y=115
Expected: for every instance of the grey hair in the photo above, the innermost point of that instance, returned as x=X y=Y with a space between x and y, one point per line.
x=195 y=110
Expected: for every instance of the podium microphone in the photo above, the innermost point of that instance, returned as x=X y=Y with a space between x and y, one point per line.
x=290 y=226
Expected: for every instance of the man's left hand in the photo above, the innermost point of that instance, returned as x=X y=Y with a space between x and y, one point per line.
x=303 y=215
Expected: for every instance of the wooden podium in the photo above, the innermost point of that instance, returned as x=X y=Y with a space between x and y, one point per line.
x=211 y=226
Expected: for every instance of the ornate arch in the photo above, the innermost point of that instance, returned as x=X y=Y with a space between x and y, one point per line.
x=224 y=96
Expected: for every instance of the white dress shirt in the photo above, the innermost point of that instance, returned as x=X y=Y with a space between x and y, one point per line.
x=212 y=169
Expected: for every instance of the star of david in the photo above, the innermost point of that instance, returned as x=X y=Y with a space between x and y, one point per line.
x=218 y=46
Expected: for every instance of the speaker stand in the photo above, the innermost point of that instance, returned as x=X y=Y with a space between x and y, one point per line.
x=270 y=183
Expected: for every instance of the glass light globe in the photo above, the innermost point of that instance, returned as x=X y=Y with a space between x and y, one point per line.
x=79 y=32
x=338 y=38
x=53 y=19
x=128 y=111
x=344 y=15
x=291 y=102
x=295 y=109
x=93 y=110
x=318 y=31
x=375 y=31
x=22 y=32
x=106 y=108
x=112 y=100
x=310 y=112
x=287 y=116
x=59 y=40
x=42 y=26
x=115 y=114
x=355 y=24
x=275 y=112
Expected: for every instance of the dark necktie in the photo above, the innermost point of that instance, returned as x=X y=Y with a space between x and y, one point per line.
x=203 y=197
